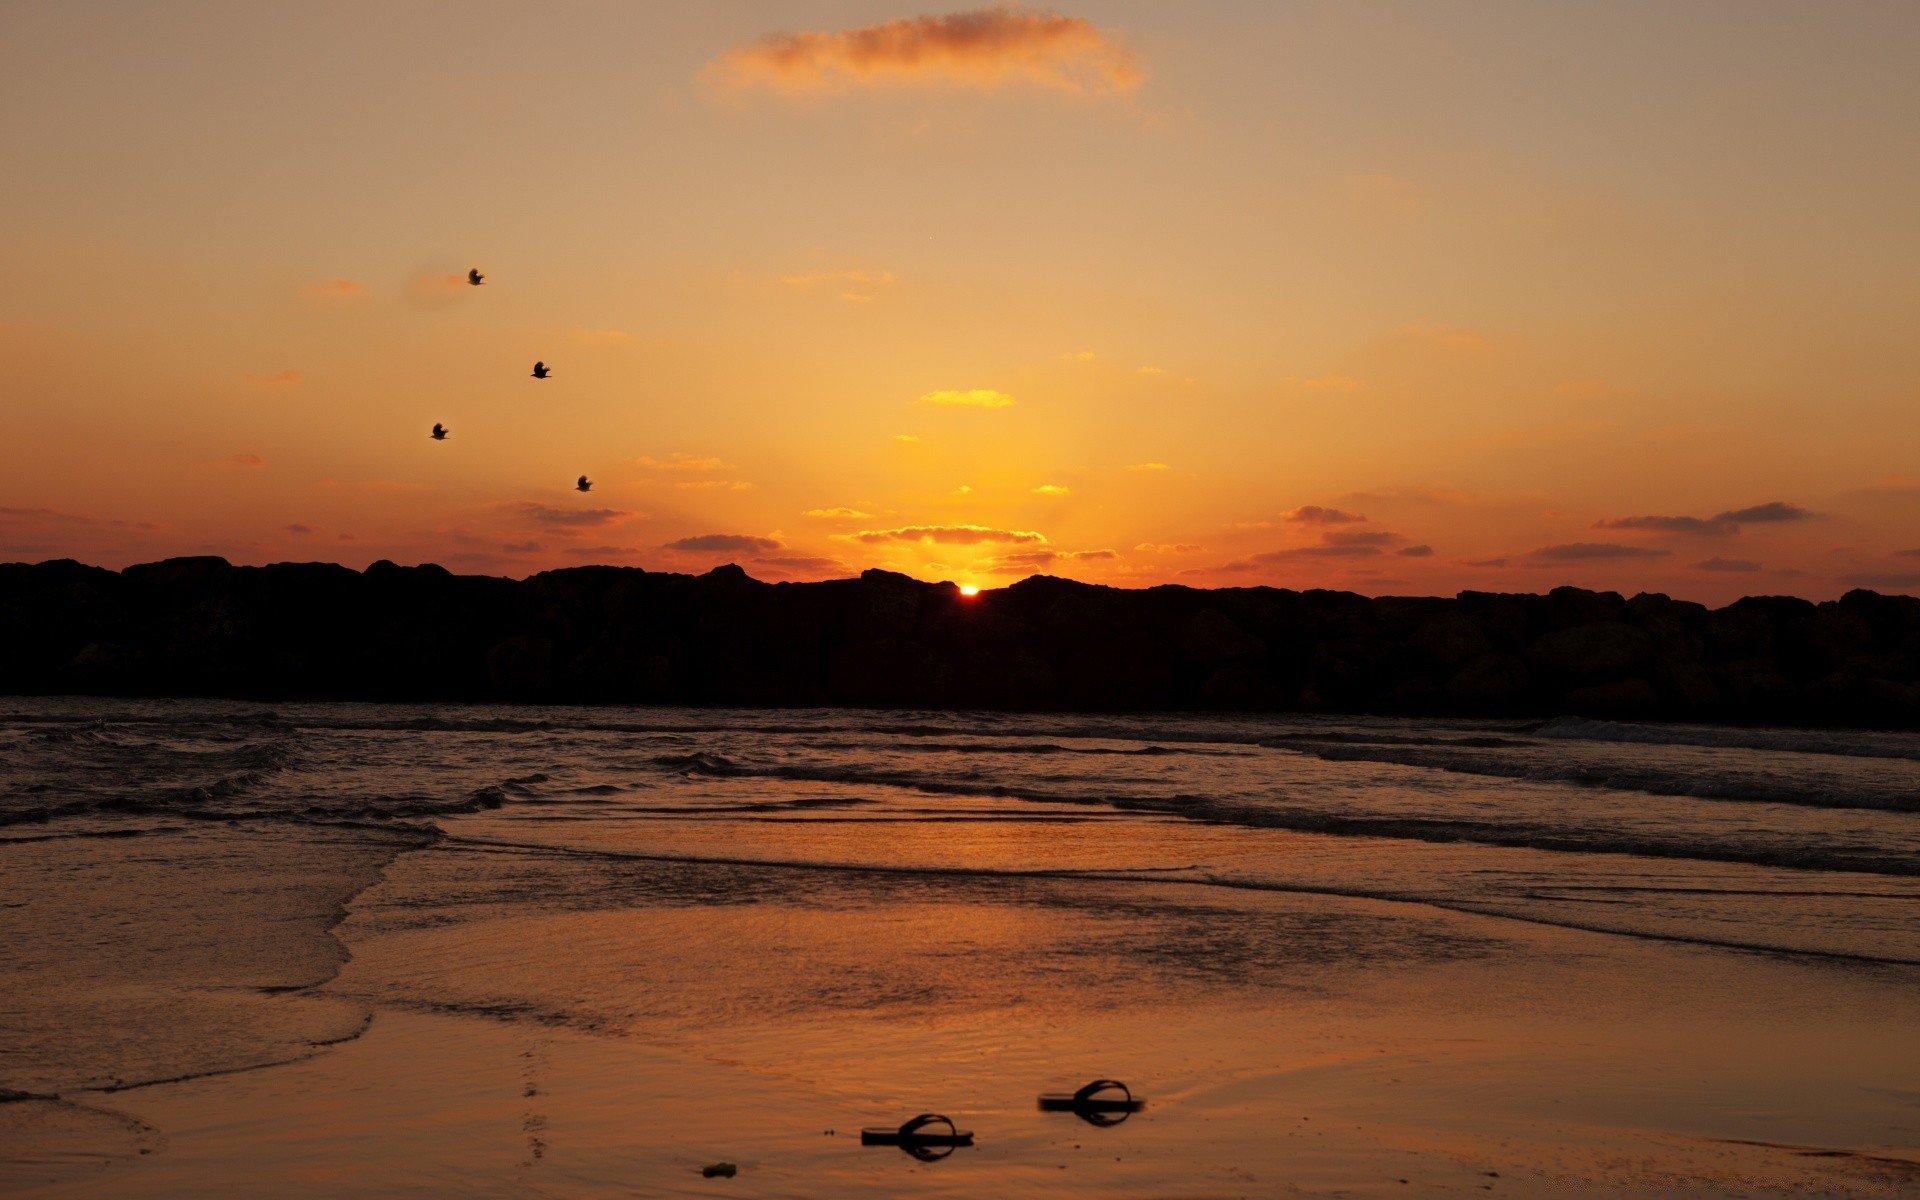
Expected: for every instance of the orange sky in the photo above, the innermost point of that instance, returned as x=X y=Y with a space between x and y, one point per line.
x=1401 y=298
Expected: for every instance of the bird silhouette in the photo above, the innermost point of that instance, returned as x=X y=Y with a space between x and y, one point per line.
x=439 y=432
x=540 y=370
x=583 y=484
x=474 y=276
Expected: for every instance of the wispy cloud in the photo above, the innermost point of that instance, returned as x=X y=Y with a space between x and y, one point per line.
x=1052 y=489
x=1169 y=548
x=680 y=461
x=565 y=518
x=248 y=460
x=1415 y=552
x=729 y=543
x=983 y=49
x=1726 y=564
x=1149 y=466
x=437 y=289
x=948 y=535
x=297 y=528
x=286 y=378
x=1773 y=512
x=1314 y=514
x=1705 y=526
x=837 y=514
x=1032 y=560
x=1582 y=551
x=971 y=398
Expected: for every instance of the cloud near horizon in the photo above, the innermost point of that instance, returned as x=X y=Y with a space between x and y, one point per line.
x=1726 y=564
x=1586 y=551
x=727 y=543
x=1314 y=514
x=1029 y=560
x=982 y=50
x=1773 y=512
x=945 y=535
x=565 y=518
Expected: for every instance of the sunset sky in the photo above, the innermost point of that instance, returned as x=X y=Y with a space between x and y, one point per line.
x=1395 y=297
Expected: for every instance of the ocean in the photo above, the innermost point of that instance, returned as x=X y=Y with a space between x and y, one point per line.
x=199 y=889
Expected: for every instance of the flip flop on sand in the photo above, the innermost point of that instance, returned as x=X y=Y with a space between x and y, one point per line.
x=913 y=1134
x=1089 y=1100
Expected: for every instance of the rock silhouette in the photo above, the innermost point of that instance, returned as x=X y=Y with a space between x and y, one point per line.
x=202 y=627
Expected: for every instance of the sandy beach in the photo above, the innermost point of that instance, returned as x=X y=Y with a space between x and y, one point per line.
x=555 y=1000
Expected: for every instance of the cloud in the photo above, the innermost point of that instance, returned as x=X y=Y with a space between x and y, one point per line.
x=1770 y=513
x=1415 y=552
x=335 y=289
x=438 y=289
x=1030 y=560
x=1726 y=564
x=1581 y=551
x=1150 y=371
x=1359 y=537
x=51 y=514
x=982 y=49
x=520 y=548
x=678 y=461
x=1774 y=512
x=971 y=398
x=565 y=518
x=1314 y=514
x=1169 y=548
x=297 y=528
x=249 y=460
x=1696 y=525
x=286 y=378
x=906 y=437
x=1488 y=562
x=948 y=535
x=1051 y=489
x=836 y=514
x=727 y=543
x=1883 y=579
x=1906 y=553
x=1149 y=466
x=862 y=279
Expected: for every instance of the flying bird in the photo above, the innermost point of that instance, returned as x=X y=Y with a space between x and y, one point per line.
x=474 y=276
x=439 y=432
x=540 y=370
x=583 y=484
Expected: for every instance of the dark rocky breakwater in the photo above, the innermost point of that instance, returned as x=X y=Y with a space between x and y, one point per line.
x=202 y=627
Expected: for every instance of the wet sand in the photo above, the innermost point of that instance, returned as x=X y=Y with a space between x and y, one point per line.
x=1289 y=1045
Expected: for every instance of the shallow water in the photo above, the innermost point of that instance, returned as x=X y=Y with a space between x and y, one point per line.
x=194 y=888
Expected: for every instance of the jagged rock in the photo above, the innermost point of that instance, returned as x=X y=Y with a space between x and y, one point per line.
x=1491 y=680
x=1592 y=653
x=200 y=626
